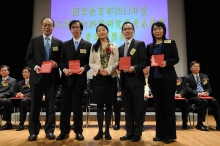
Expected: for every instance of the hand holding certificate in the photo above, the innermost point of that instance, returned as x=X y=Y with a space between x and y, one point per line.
x=46 y=67
x=124 y=63
x=157 y=60
x=74 y=66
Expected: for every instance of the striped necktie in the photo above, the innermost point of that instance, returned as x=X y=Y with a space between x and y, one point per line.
x=198 y=84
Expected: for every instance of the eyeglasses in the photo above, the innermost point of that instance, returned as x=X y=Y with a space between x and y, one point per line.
x=124 y=29
x=47 y=25
x=75 y=27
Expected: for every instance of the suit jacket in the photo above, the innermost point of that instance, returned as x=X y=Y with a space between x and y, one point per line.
x=68 y=52
x=95 y=63
x=36 y=54
x=8 y=91
x=180 y=87
x=170 y=56
x=191 y=87
x=138 y=60
x=23 y=89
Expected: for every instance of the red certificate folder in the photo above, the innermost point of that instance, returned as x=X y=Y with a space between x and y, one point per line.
x=206 y=97
x=74 y=66
x=46 y=67
x=157 y=60
x=124 y=62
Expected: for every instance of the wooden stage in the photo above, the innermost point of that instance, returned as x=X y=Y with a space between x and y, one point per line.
x=192 y=137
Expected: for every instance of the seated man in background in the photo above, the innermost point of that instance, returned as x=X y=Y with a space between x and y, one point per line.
x=184 y=104
x=197 y=85
x=23 y=91
x=7 y=88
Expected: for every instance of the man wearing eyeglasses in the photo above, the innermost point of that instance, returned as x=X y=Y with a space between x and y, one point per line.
x=43 y=48
x=73 y=84
x=132 y=83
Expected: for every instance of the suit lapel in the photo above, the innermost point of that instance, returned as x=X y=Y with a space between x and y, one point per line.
x=41 y=46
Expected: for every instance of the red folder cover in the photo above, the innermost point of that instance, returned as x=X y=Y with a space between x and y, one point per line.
x=46 y=67
x=206 y=97
x=180 y=98
x=124 y=62
x=74 y=66
x=157 y=60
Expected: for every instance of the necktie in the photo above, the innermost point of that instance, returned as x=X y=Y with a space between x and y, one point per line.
x=126 y=49
x=76 y=45
x=198 y=84
x=47 y=47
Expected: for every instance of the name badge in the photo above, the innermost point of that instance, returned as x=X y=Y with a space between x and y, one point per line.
x=83 y=51
x=167 y=41
x=55 y=48
x=133 y=50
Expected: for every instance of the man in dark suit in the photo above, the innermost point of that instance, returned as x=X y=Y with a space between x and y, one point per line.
x=7 y=88
x=184 y=104
x=197 y=85
x=23 y=91
x=132 y=83
x=73 y=84
x=43 y=48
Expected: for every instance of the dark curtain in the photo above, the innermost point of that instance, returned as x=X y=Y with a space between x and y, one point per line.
x=203 y=38
x=16 y=31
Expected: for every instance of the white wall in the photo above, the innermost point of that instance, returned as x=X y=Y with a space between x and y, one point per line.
x=176 y=27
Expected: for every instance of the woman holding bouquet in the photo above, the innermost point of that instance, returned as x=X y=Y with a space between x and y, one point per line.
x=103 y=62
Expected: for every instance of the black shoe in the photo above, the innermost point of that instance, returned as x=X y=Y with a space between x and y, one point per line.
x=168 y=140
x=7 y=126
x=185 y=127
x=202 y=127
x=143 y=129
x=98 y=136
x=32 y=137
x=50 y=136
x=79 y=137
x=116 y=127
x=20 y=127
x=72 y=127
x=126 y=137
x=156 y=139
x=62 y=137
x=218 y=127
x=135 y=138
x=108 y=136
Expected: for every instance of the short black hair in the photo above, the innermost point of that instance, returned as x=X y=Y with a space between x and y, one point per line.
x=127 y=22
x=28 y=68
x=46 y=18
x=159 y=24
x=194 y=62
x=2 y=66
x=75 y=21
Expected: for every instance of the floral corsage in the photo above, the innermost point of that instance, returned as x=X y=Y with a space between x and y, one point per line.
x=110 y=48
x=205 y=80
x=4 y=83
x=26 y=85
x=178 y=82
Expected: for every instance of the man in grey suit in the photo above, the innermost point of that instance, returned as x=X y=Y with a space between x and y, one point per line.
x=73 y=84
x=43 y=48
x=7 y=88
